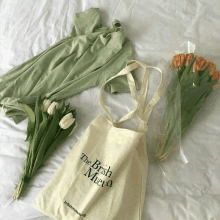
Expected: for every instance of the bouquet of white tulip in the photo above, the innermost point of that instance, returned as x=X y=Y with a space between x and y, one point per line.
x=48 y=125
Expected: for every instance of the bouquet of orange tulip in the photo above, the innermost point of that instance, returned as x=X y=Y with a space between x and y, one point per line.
x=185 y=95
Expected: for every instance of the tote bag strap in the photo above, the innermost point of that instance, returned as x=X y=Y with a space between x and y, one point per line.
x=131 y=83
x=143 y=113
x=140 y=111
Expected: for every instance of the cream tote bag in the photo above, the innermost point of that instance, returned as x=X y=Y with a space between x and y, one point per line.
x=104 y=176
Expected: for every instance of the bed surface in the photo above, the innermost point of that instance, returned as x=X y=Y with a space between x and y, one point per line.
x=187 y=190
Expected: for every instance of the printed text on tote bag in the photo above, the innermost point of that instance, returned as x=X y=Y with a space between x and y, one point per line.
x=96 y=168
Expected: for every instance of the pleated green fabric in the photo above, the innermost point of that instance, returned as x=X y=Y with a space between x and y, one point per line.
x=87 y=58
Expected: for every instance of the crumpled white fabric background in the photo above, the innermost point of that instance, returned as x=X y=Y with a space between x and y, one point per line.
x=157 y=29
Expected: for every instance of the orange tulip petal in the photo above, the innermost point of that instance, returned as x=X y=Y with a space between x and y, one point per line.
x=216 y=75
x=182 y=58
x=212 y=68
x=199 y=63
x=205 y=65
x=179 y=60
x=188 y=58
x=174 y=64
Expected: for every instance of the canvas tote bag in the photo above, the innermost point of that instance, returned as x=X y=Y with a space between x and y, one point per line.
x=104 y=175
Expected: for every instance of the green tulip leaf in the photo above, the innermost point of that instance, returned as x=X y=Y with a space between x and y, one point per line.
x=74 y=113
x=190 y=96
x=67 y=110
x=38 y=112
x=63 y=135
x=47 y=140
x=61 y=108
x=204 y=76
x=187 y=70
x=31 y=119
x=36 y=143
x=180 y=72
x=192 y=80
x=187 y=119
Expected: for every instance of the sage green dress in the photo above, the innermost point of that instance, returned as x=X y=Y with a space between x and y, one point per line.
x=87 y=58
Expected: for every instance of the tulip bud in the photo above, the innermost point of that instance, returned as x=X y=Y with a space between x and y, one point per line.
x=67 y=121
x=52 y=107
x=46 y=104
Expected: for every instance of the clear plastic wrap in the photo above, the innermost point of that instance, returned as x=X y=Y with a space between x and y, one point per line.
x=190 y=84
x=167 y=149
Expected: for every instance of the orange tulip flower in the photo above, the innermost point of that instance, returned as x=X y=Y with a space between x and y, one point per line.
x=201 y=62
x=188 y=58
x=178 y=61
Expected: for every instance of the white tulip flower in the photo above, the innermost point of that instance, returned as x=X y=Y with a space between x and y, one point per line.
x=46 y=104
x=67 y=121
x=52 y=107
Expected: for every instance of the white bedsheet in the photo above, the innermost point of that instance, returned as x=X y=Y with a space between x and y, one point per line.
x=157 y=29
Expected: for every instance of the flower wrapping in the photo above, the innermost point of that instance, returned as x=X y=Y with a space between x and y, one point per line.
x=187 y=92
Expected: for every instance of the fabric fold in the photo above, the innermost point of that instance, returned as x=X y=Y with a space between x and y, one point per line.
x=87 y=58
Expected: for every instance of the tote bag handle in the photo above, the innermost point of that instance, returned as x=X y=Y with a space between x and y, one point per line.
x=143 y=113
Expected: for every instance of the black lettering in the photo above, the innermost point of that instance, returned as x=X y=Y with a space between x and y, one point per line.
x=100 y=181
x=96 y=164
x=89 y=174
x=83 y=156
x=103 y=183
x=109 y=173
x=99 y=168
x=109 y=183
x=84 y=215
